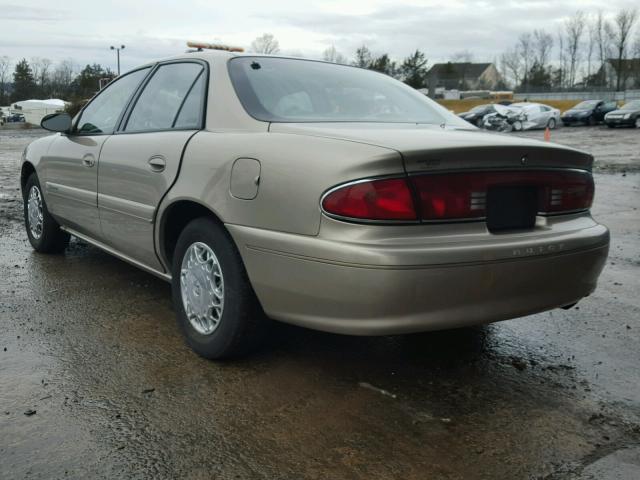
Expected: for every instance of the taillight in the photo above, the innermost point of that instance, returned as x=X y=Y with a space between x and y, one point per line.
x=385 y=199
x=456 y=196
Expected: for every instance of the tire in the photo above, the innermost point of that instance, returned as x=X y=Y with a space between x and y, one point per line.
x=637 y=122
x=43 y=231
x=234 y=322
x=552 y=124
x=517 y=125
x=591 y=121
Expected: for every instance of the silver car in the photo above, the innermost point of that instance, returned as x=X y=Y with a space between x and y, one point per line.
x=316 y=194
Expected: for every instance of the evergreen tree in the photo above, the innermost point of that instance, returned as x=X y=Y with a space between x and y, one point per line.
x=414 y=70
x=363 y=57
x=87 y=83
x=24 y=86
x=384 y=65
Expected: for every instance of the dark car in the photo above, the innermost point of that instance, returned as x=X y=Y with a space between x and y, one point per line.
x=627 y=115
x=589 y=112
x=476 y=114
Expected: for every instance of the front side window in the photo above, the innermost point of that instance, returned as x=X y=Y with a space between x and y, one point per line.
x=102 y=114
x=164 y=96
x=294 y=90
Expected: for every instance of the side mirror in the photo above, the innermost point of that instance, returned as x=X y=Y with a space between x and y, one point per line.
x=57 y=122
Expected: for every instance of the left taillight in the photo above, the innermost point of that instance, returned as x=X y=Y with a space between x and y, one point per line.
x=387 y=199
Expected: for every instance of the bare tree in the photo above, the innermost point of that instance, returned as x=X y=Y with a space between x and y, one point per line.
x=601 y=27
x=562 y=60
x=265 y=43
x=511 y=65
x=574 y=28
x=620 y=33
x=542 y=45
x=525 y=50
x=61 y=79
x=332 y=55
x=40 y=67
x=5 y=68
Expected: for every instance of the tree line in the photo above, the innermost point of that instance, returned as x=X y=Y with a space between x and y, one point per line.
x=40 y=78
x=583 y=52
x=576 y=56
x=412 y=70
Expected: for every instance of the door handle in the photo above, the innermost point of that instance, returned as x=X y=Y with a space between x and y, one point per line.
x=157 y=163
x=88 y=160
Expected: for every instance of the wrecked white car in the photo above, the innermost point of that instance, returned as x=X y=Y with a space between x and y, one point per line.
x=522 y=116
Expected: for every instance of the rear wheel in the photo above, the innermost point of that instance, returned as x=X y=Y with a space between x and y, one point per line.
x=216 y=307
x=591 y=121
x=517 y=125
x=43 y=231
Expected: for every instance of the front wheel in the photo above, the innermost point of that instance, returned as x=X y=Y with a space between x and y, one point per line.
x=43 y=231
x=217 y=309
x=638 y=122
x=552 y=124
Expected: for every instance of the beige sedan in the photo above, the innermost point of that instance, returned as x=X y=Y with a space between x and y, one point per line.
x=316 y=194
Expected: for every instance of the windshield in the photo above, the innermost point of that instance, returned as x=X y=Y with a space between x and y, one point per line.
x=635 y=105
x=293 y=90
x=480 y=108
x=588 y=105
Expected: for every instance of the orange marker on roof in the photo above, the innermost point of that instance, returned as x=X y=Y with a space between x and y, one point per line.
x=214 y=46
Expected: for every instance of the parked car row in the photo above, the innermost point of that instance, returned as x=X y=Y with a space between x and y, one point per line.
x=517 y=116
x=528 y=116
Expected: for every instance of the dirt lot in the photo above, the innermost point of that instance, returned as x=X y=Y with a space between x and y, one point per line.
x=89 y=344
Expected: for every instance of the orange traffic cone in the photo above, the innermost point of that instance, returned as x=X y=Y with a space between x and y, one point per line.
x=547 y=135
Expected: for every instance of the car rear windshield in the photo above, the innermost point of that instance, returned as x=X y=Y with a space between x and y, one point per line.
x=293 y=90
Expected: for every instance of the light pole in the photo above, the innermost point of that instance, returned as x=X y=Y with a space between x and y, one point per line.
x=117 y=49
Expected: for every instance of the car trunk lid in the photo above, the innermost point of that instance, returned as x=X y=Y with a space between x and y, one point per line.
x=429 y=148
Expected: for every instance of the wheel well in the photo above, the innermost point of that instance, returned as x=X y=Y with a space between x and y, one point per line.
x=25 y=173
x=176 y=217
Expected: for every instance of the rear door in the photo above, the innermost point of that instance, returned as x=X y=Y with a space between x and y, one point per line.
x=140 y=162
x=71 y=170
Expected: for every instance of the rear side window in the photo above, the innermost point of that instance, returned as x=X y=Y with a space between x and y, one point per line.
x=190 y=114
x=102 y=114
x=162 y=99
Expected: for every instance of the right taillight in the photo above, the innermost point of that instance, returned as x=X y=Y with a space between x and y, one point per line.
x=463 y=196
x=456 y=196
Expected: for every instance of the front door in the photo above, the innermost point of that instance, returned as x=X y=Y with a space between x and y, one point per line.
x=140 y=162
x=71 y=167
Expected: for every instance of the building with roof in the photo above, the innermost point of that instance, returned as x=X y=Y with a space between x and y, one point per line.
x=465 y=76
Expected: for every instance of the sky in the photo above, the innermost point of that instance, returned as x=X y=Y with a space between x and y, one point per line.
x=83 y=31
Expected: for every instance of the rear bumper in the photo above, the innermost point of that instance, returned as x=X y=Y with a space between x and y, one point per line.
x=349 y=298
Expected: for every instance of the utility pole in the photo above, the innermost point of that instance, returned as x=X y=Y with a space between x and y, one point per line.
x=117 y=49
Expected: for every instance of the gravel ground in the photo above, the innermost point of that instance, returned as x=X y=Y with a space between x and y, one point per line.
x=96 y=382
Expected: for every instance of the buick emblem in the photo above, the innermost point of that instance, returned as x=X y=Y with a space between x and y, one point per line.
x=523 y=160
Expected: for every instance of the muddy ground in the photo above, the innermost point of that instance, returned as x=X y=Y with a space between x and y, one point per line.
x=96 y=382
